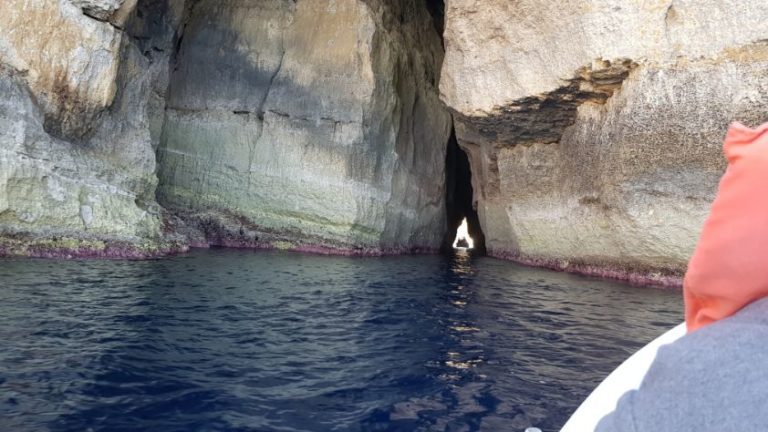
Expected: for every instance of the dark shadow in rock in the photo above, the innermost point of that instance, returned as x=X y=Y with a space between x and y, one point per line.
x=437 y=10
x=459 y=197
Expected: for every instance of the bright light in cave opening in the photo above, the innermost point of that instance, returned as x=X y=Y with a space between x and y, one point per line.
x=463 y=240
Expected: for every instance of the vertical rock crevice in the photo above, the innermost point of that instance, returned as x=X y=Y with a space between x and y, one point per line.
x=436 y=9
x=460 y=202
x=459 y=199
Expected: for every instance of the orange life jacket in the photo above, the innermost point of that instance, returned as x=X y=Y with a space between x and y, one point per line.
x=729 y=268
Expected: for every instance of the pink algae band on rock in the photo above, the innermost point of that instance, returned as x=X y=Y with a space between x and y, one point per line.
x=109 y=251
x=317 y=249
x=632 y=276
x=362 y=252
x=119 y=250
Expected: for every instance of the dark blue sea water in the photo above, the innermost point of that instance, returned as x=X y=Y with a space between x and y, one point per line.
x=227 y=340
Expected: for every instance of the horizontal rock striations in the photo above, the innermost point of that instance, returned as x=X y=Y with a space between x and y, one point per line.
x=310 y=125
x=307 y=125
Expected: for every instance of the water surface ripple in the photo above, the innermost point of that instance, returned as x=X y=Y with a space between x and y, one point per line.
x=225 y=340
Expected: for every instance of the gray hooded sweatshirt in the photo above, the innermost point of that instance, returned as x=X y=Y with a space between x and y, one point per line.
x=713 y=379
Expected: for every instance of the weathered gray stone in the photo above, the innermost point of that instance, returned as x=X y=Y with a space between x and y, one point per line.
x=76 y=153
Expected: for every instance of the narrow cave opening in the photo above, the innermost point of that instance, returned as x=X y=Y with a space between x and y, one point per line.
x=459 y=205
x=436 y=8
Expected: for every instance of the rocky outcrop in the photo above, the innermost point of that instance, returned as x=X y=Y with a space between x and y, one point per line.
x=308 y=125
x=77 y=126
x=594 y=128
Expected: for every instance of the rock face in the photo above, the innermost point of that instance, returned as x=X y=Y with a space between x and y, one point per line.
x=310 y=125
x=79 y=99
x=305 y=124
x=594 y=127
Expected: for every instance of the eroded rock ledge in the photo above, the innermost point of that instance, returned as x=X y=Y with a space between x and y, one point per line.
x=543 y=118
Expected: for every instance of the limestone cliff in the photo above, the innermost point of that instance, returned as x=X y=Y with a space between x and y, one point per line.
x=82 y=83
x=302 y=124
x=311 y=125
x=594 y=127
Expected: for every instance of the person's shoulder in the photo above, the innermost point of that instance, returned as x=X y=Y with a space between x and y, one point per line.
x=706 y=373
x=741 y=335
